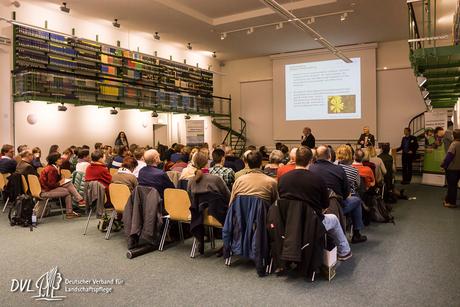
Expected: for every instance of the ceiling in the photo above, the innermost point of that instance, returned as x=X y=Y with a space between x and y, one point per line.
x=201 y=22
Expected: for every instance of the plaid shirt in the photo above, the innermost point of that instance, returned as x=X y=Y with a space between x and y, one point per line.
x=227 y=174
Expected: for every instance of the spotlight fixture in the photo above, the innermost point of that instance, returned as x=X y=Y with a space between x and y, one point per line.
x=421 y=80
x=214 y=55
x=279 y=26
x=113 y=111
x=115 y=23
x=311 y=20
x=62 y=108
x=223 y=35
x=64 y=8
x=344 y=16
x=154 y=113
x=156 y=36
x=250 y=30
x=187 y=116
x=16 y=3
x=189 y=46
x=425 y=93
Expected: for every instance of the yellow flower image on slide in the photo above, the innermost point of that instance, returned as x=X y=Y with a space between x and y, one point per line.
x=341 y=104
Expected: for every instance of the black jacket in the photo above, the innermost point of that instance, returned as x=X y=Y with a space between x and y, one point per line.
x=413 y=145
x=309 y=141
x=217 y=207
x=370 y=140
x=296 y=235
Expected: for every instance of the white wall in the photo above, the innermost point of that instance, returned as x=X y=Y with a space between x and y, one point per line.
x=106 y=126
x=398 y=97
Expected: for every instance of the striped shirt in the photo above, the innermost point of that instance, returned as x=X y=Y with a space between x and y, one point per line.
x=354 y=180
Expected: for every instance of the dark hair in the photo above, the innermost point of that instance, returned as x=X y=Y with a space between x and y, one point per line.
x=217 y=155
x=6 y=148
x=251 y=147
x=129 y=163
x=284 y=149
x=386 y=148
x=303 y=156
x=85 y=147
x=53 y=157
x=21 y=148
x=359 y=155
x=96 y=155
x=97 y=146
x=53 y=148
x=254 y=159
x=408 y=129
x=332 y=152
x=456 y=134
x=437 y=129
x=138 y=153
x=82 y=153
x=119 y=150
x=36 y=150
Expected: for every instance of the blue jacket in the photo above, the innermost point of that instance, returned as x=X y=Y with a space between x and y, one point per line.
x=151 y=176
x=245 y=233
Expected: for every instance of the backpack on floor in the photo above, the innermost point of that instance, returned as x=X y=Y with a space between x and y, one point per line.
x=21 y=212
x=379 y=211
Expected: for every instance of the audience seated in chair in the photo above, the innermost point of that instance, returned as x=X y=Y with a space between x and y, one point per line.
x=7 y=163
x=125 y=174
x=37 y=155
x=98 y=171
x=274 y=162
x=231 y=161
x=25 y=166
x=246 y=168
x=289 y=166
x=52 y=187
x=227 y=174
x=380 y=169
x=151 y=176
x=364 y=171
x=302 y=185
x=345 y=160
x=139 y=156
x=83 y=160
x=255 y=183
x=336 y=179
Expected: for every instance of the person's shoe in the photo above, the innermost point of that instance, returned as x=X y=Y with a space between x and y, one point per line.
x=344 y=257
x=82 y=203
x=358 y=238
x=447 y=205
x=72 y=215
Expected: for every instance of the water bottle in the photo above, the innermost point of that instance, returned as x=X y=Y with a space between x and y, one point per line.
x=34 y=218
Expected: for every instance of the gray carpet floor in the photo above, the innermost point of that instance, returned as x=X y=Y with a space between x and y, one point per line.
x=413 y=263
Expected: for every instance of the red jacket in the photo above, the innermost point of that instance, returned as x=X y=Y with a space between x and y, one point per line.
x=98 y=172
x=49 y=178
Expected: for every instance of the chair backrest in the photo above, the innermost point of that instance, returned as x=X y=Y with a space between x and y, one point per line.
x=2 y=182
x=113 y=171
x=177 y=204
x=66 y=173
x=209 y=220
x=119 y=195
x=25 y=185
x=34 y=185
x=39 y=170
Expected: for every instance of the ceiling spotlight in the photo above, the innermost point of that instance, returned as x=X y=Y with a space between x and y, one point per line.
x=250 y=30
x=421 y=80
x=64 y=8
x=223 y=35
x=344 y=16
x=214 y=55
x=62 y=108
x=279 y=26
x=311 y=20
x=113 y=111
x=156 y=36
x=425 y=93
x=15 y=3
x=189 y=46
x=187 y=116
x=154 y=113
x=115 y=23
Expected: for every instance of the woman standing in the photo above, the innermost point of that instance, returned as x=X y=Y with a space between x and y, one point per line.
x=451 y=164
x=52 y=187
x=121 y=139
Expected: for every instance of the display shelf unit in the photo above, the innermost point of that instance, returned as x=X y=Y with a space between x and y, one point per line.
x=66 y=69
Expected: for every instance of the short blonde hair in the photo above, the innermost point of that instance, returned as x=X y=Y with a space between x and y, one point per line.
x=371 y=151
x=343 y=153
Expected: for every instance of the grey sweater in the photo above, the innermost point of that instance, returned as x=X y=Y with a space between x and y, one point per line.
x=209 y=183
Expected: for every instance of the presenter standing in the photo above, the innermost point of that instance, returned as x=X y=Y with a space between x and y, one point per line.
x=308 y=139
x=366 y=139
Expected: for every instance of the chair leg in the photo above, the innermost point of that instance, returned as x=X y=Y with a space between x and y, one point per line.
x=228 y=261
x=181 y=232
x=62 y=209
x=211 y=235
x=6 y=204
x=109 y=229
x=44 y=208
x=87 y=221
x=163 y=236
x=192 y=253
x=269 y=267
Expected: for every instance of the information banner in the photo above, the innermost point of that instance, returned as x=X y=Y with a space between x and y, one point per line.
x=435 y=152
x=195 y=132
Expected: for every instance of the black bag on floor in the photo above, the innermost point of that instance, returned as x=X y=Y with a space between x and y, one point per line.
x=379 y=211
x=21 y=212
